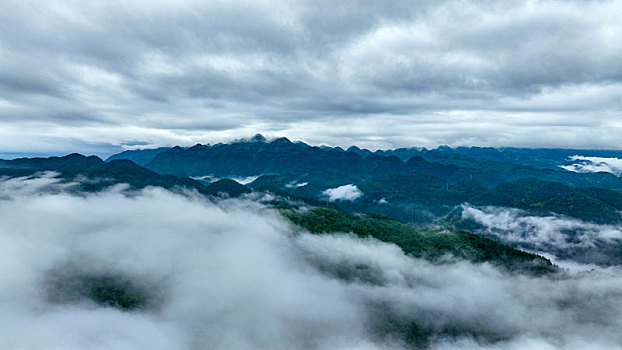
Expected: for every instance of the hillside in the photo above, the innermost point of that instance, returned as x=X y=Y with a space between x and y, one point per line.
x=543 y=198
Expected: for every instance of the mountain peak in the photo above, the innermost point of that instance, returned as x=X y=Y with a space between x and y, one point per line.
x=258 y=138
x=282 y=140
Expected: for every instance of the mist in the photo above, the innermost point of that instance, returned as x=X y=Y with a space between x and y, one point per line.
x=234 y=274
x=565 y=238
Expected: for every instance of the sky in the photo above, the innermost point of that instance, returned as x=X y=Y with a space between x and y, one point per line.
x=98 y=77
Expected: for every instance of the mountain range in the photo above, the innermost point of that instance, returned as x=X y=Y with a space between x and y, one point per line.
x=257 y=156
x=422 y=190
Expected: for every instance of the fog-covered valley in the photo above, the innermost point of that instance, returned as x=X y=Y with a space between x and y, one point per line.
x=564 y=238
x=151 y=268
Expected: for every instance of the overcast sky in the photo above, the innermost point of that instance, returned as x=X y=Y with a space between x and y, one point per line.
x=100 y=76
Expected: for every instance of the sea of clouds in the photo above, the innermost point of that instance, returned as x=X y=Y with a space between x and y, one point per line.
x=233 y=274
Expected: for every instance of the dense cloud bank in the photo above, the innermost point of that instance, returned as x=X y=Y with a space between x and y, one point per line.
x=92 y=77
x=594 y=164
x=194 y=274
x=565 y=238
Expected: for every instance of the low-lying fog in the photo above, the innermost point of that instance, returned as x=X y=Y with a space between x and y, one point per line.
x=188 y=273
x=584 y=164
x=565 y=238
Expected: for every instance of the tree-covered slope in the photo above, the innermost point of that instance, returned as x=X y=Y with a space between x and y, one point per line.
x=421 y=188
x=539 y=197
x=432 y=245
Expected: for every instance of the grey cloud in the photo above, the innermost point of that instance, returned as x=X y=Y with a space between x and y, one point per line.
x=266 y=64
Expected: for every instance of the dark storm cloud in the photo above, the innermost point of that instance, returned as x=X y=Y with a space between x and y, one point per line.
x=246 y=67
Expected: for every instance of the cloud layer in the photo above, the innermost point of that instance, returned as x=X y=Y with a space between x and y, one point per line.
x=233 y=274
x=594 y=165
x=99 y=76
x=565 y=238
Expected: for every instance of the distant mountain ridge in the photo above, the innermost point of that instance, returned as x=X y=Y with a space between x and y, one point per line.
x=257 y=156
x=550 y=158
